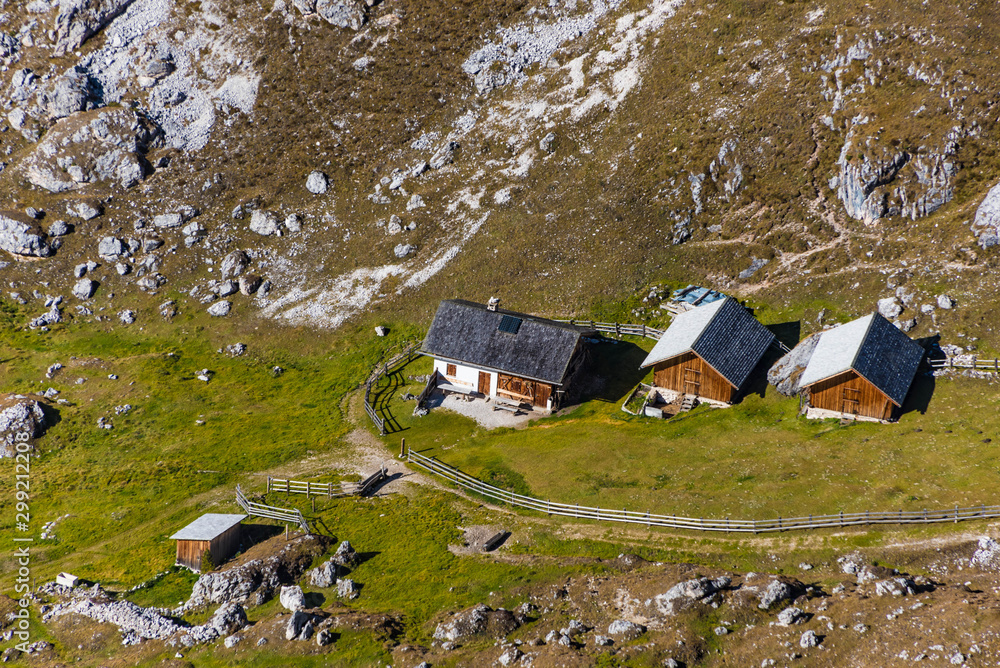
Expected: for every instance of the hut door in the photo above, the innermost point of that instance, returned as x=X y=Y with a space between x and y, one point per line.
x=484 y=383
x=692 y=381
x=851 y=401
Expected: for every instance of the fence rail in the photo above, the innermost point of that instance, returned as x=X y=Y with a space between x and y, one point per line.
x=380 y=371
x=727 y=525
x=328 y=489
x=619 y=329
x=966 y=363
x=290 y=515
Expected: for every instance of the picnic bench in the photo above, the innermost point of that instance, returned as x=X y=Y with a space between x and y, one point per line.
x=459 y=389
x=501 y=404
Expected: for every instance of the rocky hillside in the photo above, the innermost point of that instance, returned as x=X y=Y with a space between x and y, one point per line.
x=348 y=153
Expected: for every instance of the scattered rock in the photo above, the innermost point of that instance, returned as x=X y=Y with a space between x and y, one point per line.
x=546 y=143
x=19 y=414
x=790 y=616
x=477 y=620
x=175 y=219
x=250 y=283
x=84 y=209
x=59 y=229
x=987 y=555
x=445 y=155
x=720 y=631
x=402 y=250
x=347 y=589
x=324 y=575
x=317 y=183
x=684 y=593
x=226 y=288
x=346 y=556
x=945 y=302
x=220 y=308
x=626 y=629
x=809 y=639
x=416 y=202
x=889 y=307
x=21 y=235
x=292 y=598
x=264 y=223
x=67 y=94
x=127 y=317
x=236 y=349
x=324 y=637
x=110 y=247
x=293 y=223
x=299 y=626
x=84 y=288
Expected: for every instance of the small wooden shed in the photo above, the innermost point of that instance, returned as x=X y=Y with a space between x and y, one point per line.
x=498 y=353
x=710 y=351
x=216 y=532
x=862 y=368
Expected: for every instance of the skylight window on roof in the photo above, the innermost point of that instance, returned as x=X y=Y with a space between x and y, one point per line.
x=509 y=324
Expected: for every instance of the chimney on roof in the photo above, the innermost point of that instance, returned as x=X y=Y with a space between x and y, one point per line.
x=492 y=304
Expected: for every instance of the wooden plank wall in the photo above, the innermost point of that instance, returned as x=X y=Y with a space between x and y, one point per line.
x=670 y=374
x=225 y=545
x=521 y=389
x=829 y=394
x=189 y=553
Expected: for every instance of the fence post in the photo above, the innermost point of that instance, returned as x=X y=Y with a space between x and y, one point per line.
x=956 y=514
x=755 y=527
x=329 y=490
x=925 y=515
x=779 y=522
x=268 y=483
x=648 y=523
x=548 y=507
x=841 y=518
x=402 y=447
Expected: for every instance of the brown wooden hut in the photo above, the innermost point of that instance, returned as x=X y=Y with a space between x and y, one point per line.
x=710 y=351
x=484 y=349
x=215 y=532
x=862 y=368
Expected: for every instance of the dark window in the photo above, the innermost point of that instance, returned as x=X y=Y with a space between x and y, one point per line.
x=509 y=324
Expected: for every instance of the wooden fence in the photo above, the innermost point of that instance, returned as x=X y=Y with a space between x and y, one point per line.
x=727 y=525
x=619 y=329
x=328 y=489
x=290 y=515
x=973 y=363
x=380 y=371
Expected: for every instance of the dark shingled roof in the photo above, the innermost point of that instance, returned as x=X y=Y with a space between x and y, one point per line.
x=730 y=340
x=888 y=359
x=874 y=348
x=469 y=333
x=734 y=342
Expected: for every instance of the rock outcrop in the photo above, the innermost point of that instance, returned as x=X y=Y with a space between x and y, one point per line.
x=78 y=20
x=479 y=620
x=99 y=145
x=986 y=225
x=787 y=371
x=21 y=235
x=19 y=415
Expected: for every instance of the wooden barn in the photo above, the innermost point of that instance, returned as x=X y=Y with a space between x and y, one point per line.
x=490 y=351
x=215 y=532
x=710 y=351
x=862 y=368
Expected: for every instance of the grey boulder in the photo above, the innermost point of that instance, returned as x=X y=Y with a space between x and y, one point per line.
x=317 y=183
x=78 y=20
x=220 y=308
x=233 y=264
x=21 y=235
x=84 y=288
x=264 y=223
x=292 y=598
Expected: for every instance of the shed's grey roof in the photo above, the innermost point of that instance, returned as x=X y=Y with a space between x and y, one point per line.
x=874 y=348
x=208 y=527
x=468 y=333
x=722 y=333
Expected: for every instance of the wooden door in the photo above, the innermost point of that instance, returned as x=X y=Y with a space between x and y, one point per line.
x=850 y=401
x=484 y=383
x=692 y=381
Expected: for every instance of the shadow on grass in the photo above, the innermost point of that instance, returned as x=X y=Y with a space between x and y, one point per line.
x=257 y=533
x=612 y=372
x=919 y=397
x=788 y=333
